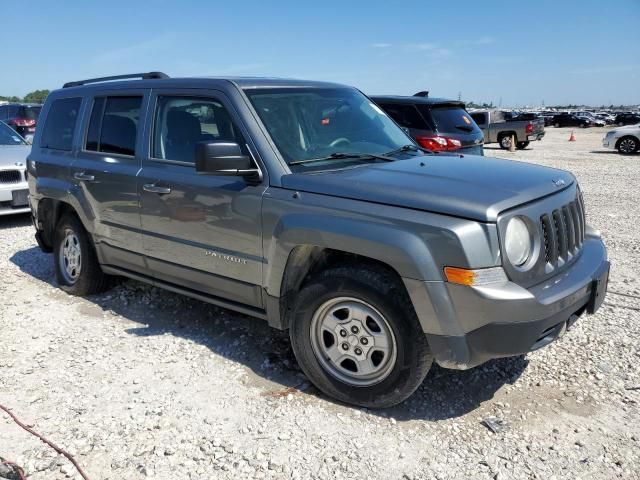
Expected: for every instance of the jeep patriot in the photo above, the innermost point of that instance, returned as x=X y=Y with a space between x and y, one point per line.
x=304 y=204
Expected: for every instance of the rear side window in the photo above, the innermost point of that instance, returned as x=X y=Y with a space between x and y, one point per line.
x=60 y=124
x=405 y=115
x=113 y=127
x=451 y=119
x=479 y=118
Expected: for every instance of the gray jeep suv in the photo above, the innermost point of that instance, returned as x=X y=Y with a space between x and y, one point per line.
x=304 y=204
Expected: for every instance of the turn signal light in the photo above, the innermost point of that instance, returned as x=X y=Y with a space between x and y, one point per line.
x=470 y=278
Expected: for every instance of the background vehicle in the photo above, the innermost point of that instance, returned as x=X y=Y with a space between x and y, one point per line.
x=595 y=121
x=496 y=128
x=570 y=120
x=435 y=123
x=607 y=117
x=22 y=117
x=624 y=139
x=627 y=119
x=13 y=176
x=304 y=204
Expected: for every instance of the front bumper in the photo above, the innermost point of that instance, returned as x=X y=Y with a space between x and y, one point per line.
x=609 y=141
x=13 y=198
x=476 y=324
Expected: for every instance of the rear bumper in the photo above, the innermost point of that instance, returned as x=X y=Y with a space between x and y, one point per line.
x=535 y=136
x=467 y=326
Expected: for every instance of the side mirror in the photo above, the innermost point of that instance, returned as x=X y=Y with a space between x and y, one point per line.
x=224 y=158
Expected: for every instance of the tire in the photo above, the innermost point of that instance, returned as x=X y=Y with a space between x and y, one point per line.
x=341 y=296
x=505 y=142
x=583 y=125
x=557 y=125
x=87 y=277
x=621 y=124
x=628 y=145
x=522 y=145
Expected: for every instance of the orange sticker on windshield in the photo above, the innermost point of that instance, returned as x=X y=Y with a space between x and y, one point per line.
x=325 y=121
x=466 y=120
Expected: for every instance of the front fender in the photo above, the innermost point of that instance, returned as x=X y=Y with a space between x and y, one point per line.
x=417 y=245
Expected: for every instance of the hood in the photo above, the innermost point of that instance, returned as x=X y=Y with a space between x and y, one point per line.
x=467 y=186
x=627 y=127
x=12 y=154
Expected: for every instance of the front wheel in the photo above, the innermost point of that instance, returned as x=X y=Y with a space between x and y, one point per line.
x=522 y=145
x=76 y=265
x=356 y=336
x=628 y=145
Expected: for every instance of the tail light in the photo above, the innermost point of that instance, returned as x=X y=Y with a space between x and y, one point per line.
x=23 y=122
x=529 y=128
x=438 y=143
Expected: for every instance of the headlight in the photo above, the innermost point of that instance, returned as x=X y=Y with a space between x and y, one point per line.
x=517 y=242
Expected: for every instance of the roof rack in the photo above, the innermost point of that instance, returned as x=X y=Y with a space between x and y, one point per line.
x=143 y=76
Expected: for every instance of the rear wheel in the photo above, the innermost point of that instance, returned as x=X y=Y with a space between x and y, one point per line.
x=357 y=337
x=557 y=125
x=522 y=145
x=583 y=125
x=76 y=265
x=505 y=142
x=628 y=145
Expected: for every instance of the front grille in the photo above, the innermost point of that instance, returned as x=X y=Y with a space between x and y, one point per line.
x=563 y=232
x=10 y=176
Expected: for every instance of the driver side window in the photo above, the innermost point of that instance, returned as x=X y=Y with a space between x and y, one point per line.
x=182 y=122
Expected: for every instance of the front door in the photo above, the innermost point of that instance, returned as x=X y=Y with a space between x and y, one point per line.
x=202 y=232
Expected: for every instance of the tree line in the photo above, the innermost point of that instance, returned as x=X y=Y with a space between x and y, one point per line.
x=37 y=96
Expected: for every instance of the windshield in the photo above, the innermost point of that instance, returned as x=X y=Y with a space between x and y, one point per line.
x=9 y=137
x=315 y=123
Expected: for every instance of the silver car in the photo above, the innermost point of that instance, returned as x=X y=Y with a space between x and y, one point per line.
x=13 y=174
x=624 y=139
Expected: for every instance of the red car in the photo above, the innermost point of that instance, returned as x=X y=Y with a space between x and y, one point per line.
x=22 y=117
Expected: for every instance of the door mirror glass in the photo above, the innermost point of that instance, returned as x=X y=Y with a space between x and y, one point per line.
x=223 y=158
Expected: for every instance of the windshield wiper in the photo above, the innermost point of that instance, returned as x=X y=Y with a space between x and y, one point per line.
x=408 y=148
x=342 y=156
x=465 y=128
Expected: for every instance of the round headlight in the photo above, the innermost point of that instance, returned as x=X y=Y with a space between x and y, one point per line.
x=517 y=242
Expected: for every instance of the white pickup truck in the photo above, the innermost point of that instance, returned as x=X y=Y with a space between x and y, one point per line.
x=498 y=129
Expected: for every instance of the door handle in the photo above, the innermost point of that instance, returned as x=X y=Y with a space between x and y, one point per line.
x=83 y=177
x=153 y=188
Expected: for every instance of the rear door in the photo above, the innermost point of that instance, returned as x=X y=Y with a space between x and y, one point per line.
x=105 y=173
x=202 y=232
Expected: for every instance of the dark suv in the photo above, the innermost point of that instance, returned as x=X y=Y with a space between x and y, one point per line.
x=435 y=123
x=22 y=117
x=302 y=203
x=627 y=119
x=570 y=120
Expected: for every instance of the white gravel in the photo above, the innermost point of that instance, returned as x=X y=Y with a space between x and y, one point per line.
x=141 y=383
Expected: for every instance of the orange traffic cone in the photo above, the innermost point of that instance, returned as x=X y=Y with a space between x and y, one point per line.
x=572 y=137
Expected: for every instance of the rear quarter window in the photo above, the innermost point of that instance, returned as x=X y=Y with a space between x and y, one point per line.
x=405 y=115
x=60 y=124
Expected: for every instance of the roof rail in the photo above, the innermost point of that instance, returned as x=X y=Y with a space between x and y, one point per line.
x=143 y=76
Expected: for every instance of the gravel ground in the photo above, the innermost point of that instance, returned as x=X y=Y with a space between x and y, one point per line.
x=141 y=383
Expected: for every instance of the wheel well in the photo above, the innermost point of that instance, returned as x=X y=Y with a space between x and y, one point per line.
x=49 y=212
x=507 y=134
x=305 y=261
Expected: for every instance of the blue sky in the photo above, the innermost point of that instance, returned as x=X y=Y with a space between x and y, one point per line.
x=522 y=52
